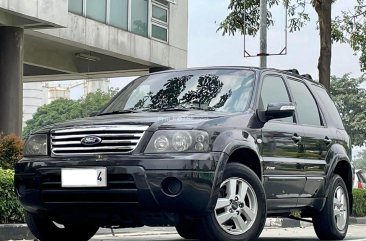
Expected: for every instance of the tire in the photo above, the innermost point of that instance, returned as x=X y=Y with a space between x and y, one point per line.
x=45 y=229
x=188 y=229
x=332 y=222
x=240 y=211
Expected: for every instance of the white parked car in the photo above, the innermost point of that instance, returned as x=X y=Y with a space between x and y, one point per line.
x=360 y=179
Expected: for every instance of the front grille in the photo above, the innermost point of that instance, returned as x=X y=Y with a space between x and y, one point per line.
x=113 y=139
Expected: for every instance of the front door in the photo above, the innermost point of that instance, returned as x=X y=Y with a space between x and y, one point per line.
x=282 y=149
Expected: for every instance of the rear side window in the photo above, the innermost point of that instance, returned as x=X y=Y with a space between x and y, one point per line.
x=306 y=107
x=329 y=105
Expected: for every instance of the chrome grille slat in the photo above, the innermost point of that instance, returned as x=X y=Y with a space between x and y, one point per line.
x=114 y=139
x=102 y=128
x=60 y=143
x=99 y=134
x=92 y=148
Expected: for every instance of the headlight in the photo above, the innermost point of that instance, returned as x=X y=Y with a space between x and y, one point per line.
x=36 y=145
x=178 y=141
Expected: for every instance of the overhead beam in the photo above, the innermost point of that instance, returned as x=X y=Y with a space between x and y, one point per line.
x=43 y=56
x=91 y=75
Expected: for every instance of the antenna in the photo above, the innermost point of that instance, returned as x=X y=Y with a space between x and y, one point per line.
x=246 y=51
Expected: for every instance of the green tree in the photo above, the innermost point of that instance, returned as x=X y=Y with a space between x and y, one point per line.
x=94 y=102
x=350 y=28
x=298 y=16
x=62 y=110
x=360 y=161
x=350 y=99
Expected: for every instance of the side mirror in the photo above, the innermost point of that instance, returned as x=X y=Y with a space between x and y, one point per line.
x=277 y=111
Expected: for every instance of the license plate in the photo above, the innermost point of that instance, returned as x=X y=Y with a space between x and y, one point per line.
x=91 y=177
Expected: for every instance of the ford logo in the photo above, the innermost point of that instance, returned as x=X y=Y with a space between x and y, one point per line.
x=91 y=140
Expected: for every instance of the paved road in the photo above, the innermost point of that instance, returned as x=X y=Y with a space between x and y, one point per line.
x=355 y=233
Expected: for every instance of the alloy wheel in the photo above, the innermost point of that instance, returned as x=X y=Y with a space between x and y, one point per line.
x=237 y=206
x=340 y=208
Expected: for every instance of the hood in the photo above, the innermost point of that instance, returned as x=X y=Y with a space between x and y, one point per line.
x=161 y=120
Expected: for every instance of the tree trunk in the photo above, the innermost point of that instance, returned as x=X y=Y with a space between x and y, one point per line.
x=324 y=11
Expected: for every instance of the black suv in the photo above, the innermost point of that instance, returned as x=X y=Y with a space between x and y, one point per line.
x=211 y=151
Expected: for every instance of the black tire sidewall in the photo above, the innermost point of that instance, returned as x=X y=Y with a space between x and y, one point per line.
x=338 y=181
x=324 y=223
x=187 y=229
x=44 y=229
x=211 y=228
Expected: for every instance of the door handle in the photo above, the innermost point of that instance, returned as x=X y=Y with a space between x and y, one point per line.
x=327 y=141
x=296 y=138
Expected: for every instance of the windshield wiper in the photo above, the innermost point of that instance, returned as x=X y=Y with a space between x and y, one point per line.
x=119 y=112
x=176 y=108
x=173 y=109
x=183 y=108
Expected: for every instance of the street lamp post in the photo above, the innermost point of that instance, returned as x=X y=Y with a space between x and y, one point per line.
x=263 y=34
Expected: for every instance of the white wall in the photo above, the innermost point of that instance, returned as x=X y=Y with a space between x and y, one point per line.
x=34 y=96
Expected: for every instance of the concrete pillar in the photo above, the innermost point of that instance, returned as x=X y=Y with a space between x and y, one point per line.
x=11 y=79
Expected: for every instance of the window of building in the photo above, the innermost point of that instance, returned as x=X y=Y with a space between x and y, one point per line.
x=97 y=10
x=119 y=14
x=139 y=17
x=274 y=91
x=160 y=13
x=148 y=18
x=76 y=6
x=306 y=107
x=159 y=32
x=159 y=21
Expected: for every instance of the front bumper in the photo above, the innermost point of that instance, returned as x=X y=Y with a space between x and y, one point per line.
x=134 y=189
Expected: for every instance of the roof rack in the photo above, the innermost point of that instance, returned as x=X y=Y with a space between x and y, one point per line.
x=293 y=71
x=307 y=76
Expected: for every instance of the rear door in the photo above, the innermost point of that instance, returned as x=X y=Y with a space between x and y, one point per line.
x=281 y=149
x=316 y=138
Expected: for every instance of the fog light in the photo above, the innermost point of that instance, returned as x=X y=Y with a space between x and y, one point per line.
x=171 y=186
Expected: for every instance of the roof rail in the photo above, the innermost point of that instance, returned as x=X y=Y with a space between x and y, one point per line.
x=293 y=71
x=307 y=76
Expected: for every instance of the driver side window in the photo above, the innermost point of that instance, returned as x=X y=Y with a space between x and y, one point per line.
x=274 y=91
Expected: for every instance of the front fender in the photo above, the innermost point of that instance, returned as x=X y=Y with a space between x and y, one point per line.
x=227 y=143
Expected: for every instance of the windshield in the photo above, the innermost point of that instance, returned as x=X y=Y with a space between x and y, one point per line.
x=212 y=90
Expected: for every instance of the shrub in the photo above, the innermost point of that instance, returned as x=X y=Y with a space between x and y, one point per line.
x=359 y=202
x=10 y=208
x=11 y=150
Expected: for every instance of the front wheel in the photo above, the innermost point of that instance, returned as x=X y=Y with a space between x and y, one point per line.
x=240 y=211
x=332 y=222
x=45 y=229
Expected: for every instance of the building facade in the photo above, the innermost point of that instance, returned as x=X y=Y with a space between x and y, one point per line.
x=44 y=40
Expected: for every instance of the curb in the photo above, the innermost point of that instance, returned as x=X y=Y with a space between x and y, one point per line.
x=357 y=220
x=286 y=223
x=14 y=232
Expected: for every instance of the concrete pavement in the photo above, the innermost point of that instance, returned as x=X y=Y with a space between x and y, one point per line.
x=355 y=233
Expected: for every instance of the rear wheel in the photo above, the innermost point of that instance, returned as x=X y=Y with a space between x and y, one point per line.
x=332 y=222
x=240 y=211
x=45 y=229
